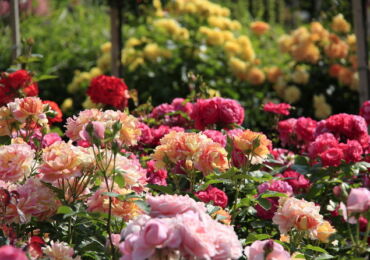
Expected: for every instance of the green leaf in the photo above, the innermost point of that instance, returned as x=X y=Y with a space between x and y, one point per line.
x=253 y=237
x=5 y=140
x=120 y=180
x=316 y=248
x=45 y=77
x=325 y=256
x=64 y=210
x=143 y=205
x=270 y=194
x=264 y=203
x=161 y=188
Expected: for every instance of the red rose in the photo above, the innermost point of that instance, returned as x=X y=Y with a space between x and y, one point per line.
x=305 y=129
x=18 y=79
x=352 y=151
x=108 y=90
x=214 y=194
x=281 y=109
x=267 y=214
x=31 y=90
x=217 y=110
x=332 y=157
x=286 y=129
x=54 y=106
x=155 y=176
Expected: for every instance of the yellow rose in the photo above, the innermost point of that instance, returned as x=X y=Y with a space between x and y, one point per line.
x=292 y=94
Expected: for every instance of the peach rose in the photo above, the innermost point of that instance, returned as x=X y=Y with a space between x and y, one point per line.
x=29 y=107
x=15 y=161
x=59 y=160
x=324 y=231
x=211 y=157
x=300 y=214
x=253 y=143
x=259 y=27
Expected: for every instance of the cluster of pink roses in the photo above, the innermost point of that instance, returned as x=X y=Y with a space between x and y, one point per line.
x=178 y=226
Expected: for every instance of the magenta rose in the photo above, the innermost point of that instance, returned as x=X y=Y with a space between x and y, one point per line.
x=12 y=253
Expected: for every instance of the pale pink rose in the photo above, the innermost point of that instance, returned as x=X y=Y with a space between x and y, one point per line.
x=60 y=250
x=198 y=237
x=300 y=214
x=12 y=253
x=227 y=243
x=135 y=225
x=35 y=200
x=155 y=232
x=172 y=205
x=76 y=124
x=16 y=161
x=358 y=200
x=59 y=161
x=29 y=108
x=266 y=250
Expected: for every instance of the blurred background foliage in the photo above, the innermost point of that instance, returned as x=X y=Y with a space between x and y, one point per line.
x=70 y=36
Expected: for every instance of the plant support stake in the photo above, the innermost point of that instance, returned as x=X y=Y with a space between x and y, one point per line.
x=14 y=23
x=359 y=8
x=116 y=36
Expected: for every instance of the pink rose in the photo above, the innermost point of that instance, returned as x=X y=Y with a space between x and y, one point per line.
x=172 y=205
x=155 y=232
x=298 y=182
x=12 y=253
x=230 y=112
x=266 y=249
x=146 y=134
x=216 y=136
x=50 y=138
x=358 y=200
x=277 y=185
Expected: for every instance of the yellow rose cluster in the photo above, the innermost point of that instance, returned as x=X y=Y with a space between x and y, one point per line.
x=311 y=46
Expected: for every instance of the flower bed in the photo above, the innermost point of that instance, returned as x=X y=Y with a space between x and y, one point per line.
x=183 y=180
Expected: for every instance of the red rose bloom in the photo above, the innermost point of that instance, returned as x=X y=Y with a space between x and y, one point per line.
x=108 y=90
x=217 y=196
x=267 y=214
x=352 y=151
x=281 y=109
x=54 y=106
x=31 y=90
x=305 y=129
x=212 y=111
x=18 y=79
x=332 y=157
x=286 y=129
